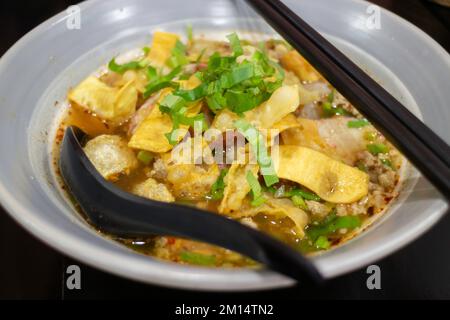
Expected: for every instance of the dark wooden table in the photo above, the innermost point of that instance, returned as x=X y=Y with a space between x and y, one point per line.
x=30 y=269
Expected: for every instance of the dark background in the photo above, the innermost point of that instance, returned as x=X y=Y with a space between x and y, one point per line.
x=31 y=270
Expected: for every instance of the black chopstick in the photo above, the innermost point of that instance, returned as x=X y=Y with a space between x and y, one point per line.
x=429 y=153
x=433 y=141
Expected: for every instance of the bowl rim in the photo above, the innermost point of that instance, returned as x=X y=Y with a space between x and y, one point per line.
x=75 y=247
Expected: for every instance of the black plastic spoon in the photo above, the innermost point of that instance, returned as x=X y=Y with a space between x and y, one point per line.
x=126 y=215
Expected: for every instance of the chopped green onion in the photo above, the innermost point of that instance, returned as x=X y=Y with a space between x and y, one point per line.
x=217 y=64
x=258 y=201
x=270 y=179
x=347 y=222
x=152 y=73
x=122 y=68
x=299 y=202
x=237 y=75
x=331 y=224
x=355 y=124
x=171 y=104
x=194 y=94
x=172 y=74
x=299 y=194
x=218 y=187
x=171 y=138
x=226 y=83
x=254 y=184
x=273 y=190
x=198 y=258
x=190 y=121
x=257 y=143
x=216 y=102
x=176 y=108
x=241 y=102
x=190 y=32
x=178 y=57
x=179 y=118
x=146 y=50
x=145 y=157
x=155 y=87
x=304 y=194
x=235 y=44
x=322 y=243
x=239 y=87
x=161 y=82
x=306 y=246
x=329 y=110
x=258 y=198
x=377 y=148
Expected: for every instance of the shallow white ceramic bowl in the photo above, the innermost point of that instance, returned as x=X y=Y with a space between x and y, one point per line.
x=40 y=68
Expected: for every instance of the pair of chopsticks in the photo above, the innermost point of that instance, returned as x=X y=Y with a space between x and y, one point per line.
x=426 y=150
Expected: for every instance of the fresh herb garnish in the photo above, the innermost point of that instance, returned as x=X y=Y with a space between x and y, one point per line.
x=302 y=193
x=178 y=57
x=258 y=145
x=299 y=202
x=122 y=68
x=356 y=124
x=330 y=110
x=172 y=104
x=218 y=187
x=256 y=190
x=237 y=86
x=331 y=224
x=176 y=108
x=235 y=44
x=322 y=243
x=225 y=84
x=160 y=82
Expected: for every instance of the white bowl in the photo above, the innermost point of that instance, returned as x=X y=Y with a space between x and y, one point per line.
x=40 y=68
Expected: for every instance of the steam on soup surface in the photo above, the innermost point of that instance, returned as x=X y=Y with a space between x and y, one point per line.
x=246 y=130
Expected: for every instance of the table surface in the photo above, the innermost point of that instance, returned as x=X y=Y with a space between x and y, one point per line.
x=32 y=270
